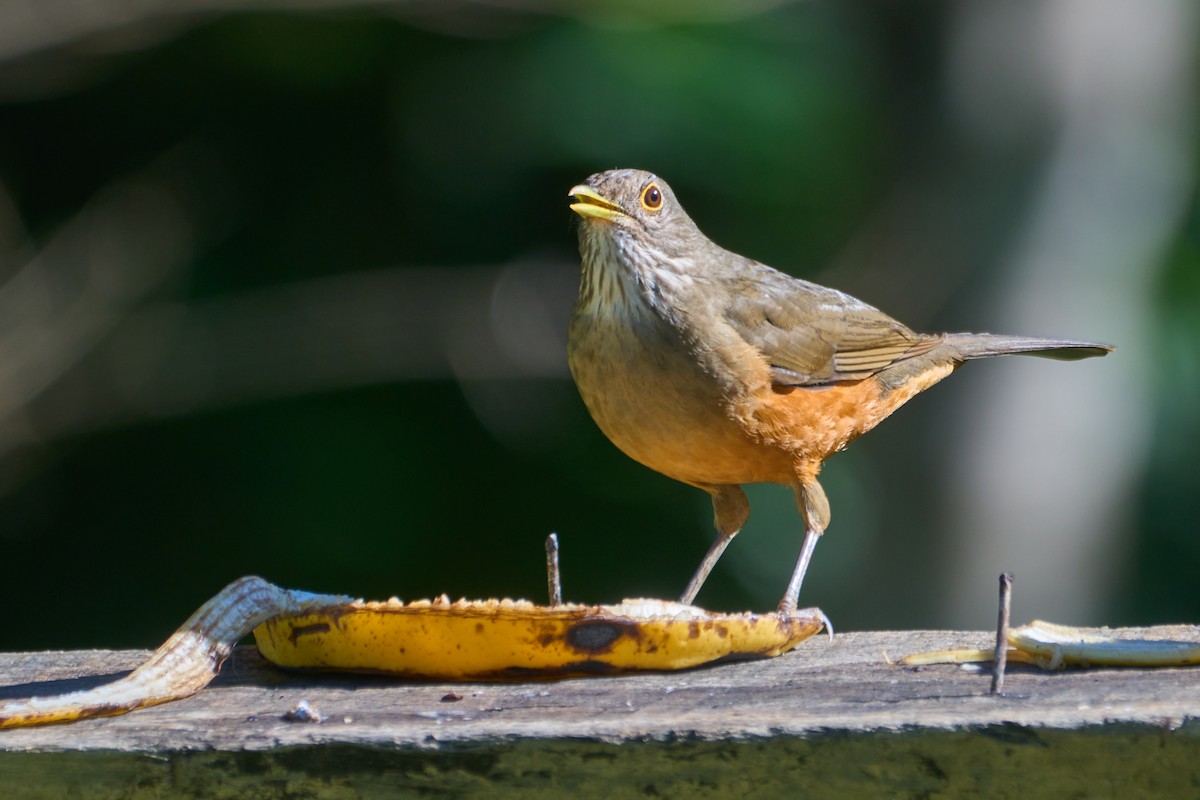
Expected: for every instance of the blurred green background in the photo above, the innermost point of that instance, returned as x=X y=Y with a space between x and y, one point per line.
x=284 y=289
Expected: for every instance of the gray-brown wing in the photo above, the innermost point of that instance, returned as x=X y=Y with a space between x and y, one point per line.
x=812 y=335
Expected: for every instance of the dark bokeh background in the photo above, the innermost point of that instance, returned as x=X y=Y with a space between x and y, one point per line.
x=285 y=292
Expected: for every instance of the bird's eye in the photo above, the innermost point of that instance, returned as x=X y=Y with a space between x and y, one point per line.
x=652 y=197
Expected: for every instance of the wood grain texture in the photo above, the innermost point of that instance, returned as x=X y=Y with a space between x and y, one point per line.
x=847 y=685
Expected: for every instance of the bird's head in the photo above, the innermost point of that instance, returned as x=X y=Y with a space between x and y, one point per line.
x=632 y=203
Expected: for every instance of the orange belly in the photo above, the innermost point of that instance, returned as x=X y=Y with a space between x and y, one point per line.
x=777 y=435
x=812 y=424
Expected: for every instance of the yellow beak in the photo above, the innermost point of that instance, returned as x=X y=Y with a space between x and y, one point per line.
x=590 y=203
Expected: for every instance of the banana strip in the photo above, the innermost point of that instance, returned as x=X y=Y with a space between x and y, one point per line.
x=1053 y=646
x=961 y=655
x=463 y=640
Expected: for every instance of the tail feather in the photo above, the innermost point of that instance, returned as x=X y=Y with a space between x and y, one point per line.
x=983 y=345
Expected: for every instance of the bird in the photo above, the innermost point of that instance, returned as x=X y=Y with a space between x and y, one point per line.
x=717 y=370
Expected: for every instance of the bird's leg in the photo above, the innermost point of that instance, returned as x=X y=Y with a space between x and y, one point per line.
x=730 y=511
x=814 y=508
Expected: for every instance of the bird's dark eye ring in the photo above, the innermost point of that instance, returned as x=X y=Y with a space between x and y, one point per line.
x=652 y=197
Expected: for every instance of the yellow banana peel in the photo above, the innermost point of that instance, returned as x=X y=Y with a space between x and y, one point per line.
x=515 y=639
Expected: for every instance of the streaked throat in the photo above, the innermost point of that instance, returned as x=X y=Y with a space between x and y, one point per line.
x=608 y=284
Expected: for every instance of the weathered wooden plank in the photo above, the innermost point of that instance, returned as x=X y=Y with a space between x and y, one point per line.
x=827 y=716
x=847 y=685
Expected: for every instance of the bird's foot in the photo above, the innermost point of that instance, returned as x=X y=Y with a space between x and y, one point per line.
x=787 y=610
